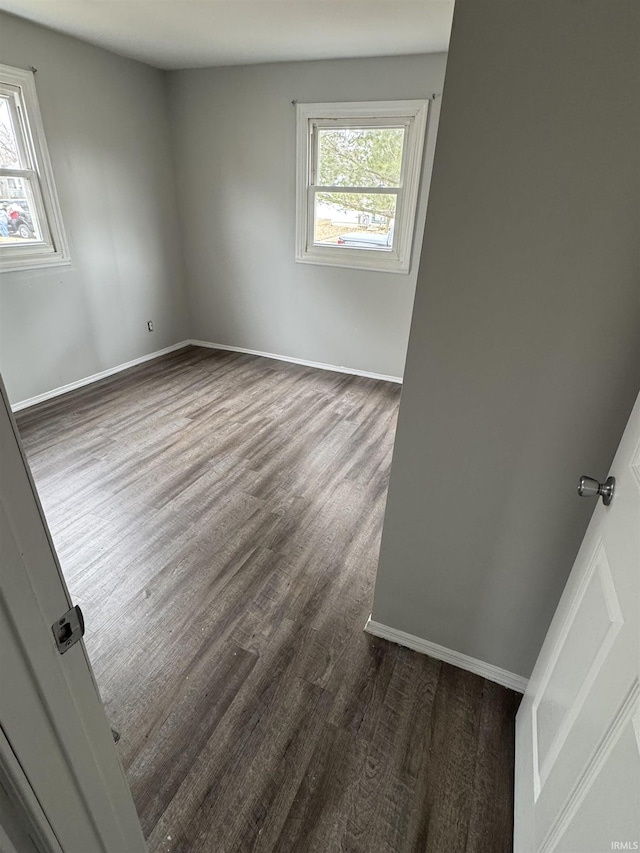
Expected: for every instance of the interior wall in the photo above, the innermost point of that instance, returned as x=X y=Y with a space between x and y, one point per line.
x=524 y=352
x=106 y=124
x=234 y=148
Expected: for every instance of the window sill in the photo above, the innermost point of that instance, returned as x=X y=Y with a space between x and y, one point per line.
x=33 y=263
x=355 y=260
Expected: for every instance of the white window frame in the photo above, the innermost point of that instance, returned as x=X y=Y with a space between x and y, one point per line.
x=53 y=248
x=412 y=115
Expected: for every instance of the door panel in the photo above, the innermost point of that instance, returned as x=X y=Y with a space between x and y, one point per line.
x=584 y=831
x=590 y=631
x=50 y=710
x=576 y=720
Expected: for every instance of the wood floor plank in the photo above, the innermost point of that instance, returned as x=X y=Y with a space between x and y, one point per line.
x=318 y=816
x=218 y=517
x=491 y=818
x=184 y=723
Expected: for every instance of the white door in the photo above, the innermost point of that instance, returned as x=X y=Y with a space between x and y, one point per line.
x=59 y=767
x=578 y=728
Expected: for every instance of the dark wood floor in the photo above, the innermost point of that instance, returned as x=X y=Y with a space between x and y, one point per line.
x=218 y=518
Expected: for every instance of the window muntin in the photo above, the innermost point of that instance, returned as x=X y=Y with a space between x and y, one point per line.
x=31 y=233
x=358 y=176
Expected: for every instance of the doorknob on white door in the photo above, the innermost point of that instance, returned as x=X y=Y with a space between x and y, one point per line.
x=590 y=488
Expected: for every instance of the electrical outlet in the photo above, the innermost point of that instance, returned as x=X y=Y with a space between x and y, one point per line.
x=150 y=325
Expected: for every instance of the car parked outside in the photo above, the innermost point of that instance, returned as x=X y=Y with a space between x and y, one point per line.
x=20 y=223
x=367 y=239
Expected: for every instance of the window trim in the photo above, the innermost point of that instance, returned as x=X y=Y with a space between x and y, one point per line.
x=413 y=115
x=53 y=250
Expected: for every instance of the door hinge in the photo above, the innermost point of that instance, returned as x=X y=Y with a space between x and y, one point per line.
x=68 y=629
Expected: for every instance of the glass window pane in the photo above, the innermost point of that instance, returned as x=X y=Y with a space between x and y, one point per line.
x=9 y=151
x=355 y=220
x=18 y=218
x=360 y=157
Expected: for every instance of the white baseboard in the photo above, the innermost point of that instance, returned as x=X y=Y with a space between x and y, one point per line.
x=479 y=667
x=318 y=364
x=95 y=377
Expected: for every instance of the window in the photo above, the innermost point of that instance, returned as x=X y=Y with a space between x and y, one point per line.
x=31 y=233
x=358 y=173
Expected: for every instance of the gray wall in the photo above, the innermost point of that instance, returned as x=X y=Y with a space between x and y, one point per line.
x=106 y=124
x=524 y=353
x=234 y=147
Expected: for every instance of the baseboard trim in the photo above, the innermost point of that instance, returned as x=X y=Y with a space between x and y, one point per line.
x=479 y=667
x=317 y=364
x=95 y=377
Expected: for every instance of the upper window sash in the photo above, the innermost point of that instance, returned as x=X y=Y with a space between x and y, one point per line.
x=11 y=95
x=316 y=125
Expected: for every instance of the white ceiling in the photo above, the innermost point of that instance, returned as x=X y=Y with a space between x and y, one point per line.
x=198 y=33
